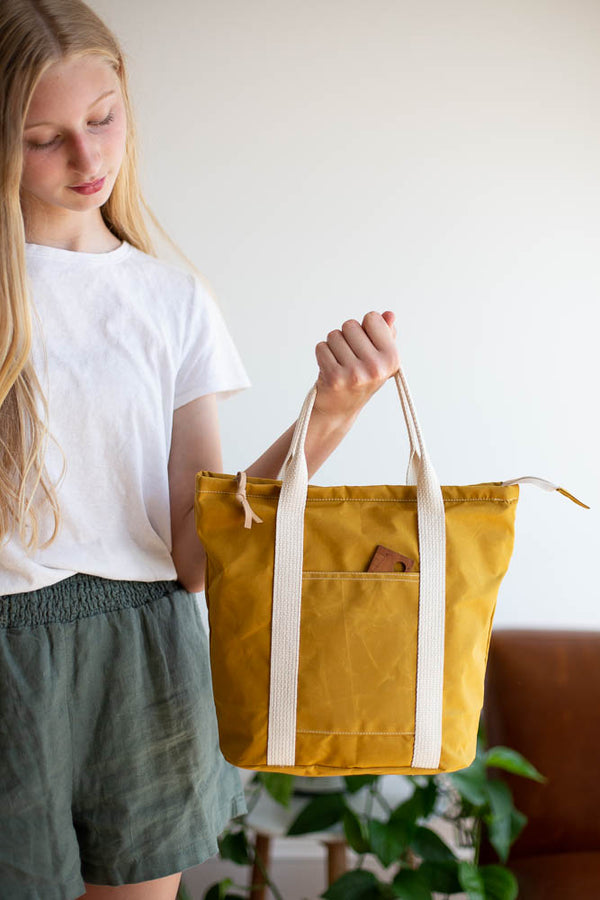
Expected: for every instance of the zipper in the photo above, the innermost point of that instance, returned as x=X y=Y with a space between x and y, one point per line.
x=544 y=485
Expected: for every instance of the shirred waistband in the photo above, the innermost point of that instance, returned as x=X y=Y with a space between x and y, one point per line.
x=77 y=597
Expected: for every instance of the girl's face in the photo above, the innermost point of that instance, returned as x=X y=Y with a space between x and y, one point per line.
x=74 y=133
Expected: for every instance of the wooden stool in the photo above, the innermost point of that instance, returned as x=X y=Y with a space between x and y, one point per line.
x=269 y=820
x=336 y=862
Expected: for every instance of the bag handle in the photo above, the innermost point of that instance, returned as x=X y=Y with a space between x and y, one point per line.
x=410 y=419
x=287 y=592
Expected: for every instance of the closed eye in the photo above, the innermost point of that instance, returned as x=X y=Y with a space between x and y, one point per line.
x=32 y=146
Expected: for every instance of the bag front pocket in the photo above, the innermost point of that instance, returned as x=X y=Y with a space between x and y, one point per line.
x=358 y=658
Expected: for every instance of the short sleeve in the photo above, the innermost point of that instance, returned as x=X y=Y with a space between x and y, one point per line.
x=210 y=362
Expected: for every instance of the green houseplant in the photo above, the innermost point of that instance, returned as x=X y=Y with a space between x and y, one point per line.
x=418 y=860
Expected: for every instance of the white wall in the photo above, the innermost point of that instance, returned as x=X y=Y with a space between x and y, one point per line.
x=318 y=160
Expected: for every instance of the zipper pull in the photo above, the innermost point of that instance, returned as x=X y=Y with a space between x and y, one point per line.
x=544 y=485
x=249 y=514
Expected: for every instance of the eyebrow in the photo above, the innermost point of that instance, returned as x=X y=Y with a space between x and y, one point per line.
x=89 y=107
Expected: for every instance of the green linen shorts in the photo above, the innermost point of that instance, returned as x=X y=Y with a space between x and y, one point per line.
x=110 y=766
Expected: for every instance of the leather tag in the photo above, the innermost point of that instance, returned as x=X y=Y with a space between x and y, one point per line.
x=385 y=560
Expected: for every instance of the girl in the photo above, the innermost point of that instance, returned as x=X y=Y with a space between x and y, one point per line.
x=111 y=777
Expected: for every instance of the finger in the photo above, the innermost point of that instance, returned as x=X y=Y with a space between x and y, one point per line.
x=344 y=347
x=358 y=340
x=377 y=330
x=326 y=359
x=371 y=358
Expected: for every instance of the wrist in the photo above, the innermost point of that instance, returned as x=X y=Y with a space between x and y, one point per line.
x=328 y=420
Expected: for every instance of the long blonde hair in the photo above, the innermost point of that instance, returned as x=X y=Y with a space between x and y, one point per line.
x=35 y=34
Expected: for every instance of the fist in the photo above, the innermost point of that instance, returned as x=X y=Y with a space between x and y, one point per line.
x=354 y=362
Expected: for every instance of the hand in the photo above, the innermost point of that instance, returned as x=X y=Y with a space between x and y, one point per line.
x=354 y=363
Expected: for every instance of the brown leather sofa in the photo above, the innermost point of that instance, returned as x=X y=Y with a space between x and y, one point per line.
x=542 y=698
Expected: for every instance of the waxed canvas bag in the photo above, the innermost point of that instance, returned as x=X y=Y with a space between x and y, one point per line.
x=327 y=658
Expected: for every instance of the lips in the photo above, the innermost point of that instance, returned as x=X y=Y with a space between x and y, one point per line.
x=88 y=184
x=89 y=188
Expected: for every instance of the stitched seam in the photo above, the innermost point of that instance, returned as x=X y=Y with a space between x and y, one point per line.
x=369 y=499
x=311 y=731
x=340 y=576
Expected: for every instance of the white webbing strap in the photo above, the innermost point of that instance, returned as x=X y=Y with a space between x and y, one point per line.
x=287 y=597
x=287 y=594
x=431 y=522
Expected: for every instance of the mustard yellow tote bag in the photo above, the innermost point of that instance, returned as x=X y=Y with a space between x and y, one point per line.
x=350 y=626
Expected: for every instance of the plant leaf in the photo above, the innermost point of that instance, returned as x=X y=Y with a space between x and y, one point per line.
x=427 y=796
x=500 y=883
x=471 y=782
x=429 y=845
x=217 y=891
x=408 y=811
x=518 y=821
x=355 y=782
x=471 y=881
x=279 y=785
x=512 y=761
x=355 y=885
x=355 y=836
x=411 y=886
x=421 y=802
x=388 y=839
x=481 y=736
x=319 y=814
x=233 y=846
x=441 y=876
x=499 y=820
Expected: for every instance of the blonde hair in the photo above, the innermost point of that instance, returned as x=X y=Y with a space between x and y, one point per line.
x=34 y=35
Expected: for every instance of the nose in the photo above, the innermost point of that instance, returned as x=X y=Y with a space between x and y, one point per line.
x=85 y=158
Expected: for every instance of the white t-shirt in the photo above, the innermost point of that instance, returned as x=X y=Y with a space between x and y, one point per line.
x=129 y=338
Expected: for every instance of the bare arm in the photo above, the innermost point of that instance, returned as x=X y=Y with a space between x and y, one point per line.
x=200 y=418
x=323 y=435
x=353 y=364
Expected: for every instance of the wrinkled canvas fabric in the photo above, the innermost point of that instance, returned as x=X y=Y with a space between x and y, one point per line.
x=358 y=629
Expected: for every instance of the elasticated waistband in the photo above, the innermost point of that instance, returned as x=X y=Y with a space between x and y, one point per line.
x=77 y=597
